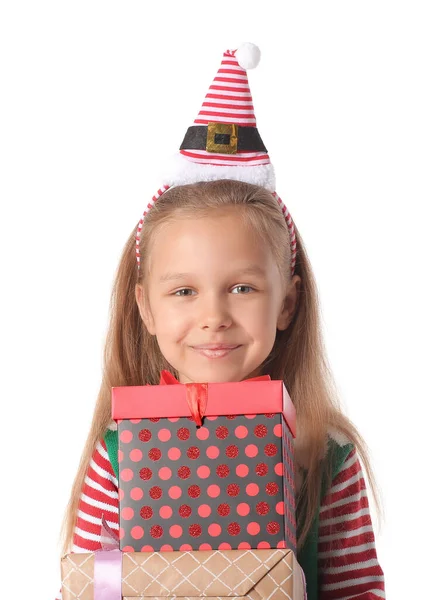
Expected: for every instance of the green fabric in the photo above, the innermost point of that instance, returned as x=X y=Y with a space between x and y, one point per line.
x=308 y=555
x=112 y=445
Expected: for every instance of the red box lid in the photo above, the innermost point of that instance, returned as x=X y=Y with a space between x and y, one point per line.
x=231 y=398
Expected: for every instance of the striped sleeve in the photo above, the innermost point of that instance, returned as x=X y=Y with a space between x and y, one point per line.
x=347 y=560
x=99 y=496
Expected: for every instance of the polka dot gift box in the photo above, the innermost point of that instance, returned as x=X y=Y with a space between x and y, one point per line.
x=205 y=466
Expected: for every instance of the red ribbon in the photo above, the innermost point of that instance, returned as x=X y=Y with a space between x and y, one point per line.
x=197 y=393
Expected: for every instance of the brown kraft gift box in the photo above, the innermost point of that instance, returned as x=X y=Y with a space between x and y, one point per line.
x=271 y=574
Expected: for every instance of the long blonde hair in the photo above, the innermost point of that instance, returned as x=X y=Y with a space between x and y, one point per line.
x=132 y=356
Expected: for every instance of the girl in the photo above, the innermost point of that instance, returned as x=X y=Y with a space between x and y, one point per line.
x=215 y=285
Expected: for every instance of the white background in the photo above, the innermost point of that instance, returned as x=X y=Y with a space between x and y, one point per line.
x=349 y=100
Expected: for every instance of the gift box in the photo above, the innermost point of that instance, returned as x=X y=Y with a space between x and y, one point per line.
x=252 y=574
x=206 y=466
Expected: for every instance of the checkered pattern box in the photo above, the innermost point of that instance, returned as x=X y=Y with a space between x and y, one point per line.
x=249 y=574
x=225 y=484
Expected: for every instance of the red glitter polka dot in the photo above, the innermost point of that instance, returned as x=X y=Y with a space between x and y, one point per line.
x=193 y=452
x=145 y=435
x=261 y=469
x=156 y=531
x=184 y=472
x=194 y=491
x=233 y=489
x=155 y=454
x=222 y=432
x=183 y=433
x=232 y=451
x=272 y=488
x=231 y=417
x=262 y=508
x=224 y=510
x=234 y=529
x=269 y=415
x=145 y=473
x=155 y=492
x=270 y=450
x=273 y=527
x=154 y=419
x=222 y=471
x=146 y=512
x=185 y=511
x=260 y=431
x=195 y=530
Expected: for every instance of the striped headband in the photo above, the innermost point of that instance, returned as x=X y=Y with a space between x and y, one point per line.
x=224 y=142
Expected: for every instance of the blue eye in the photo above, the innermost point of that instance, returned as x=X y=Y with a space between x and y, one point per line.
x=243 y=286
x=237 y=287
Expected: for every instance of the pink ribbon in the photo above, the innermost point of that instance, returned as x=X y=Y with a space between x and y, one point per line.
x=108 y=566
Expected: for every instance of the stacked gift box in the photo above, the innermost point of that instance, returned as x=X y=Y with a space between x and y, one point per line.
x=206 y=485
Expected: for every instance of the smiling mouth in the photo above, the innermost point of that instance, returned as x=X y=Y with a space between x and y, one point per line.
x=215 y=352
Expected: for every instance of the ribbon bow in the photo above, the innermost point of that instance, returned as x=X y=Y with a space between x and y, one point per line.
x=197 y=393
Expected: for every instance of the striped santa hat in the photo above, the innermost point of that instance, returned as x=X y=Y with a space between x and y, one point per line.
x=224 y=142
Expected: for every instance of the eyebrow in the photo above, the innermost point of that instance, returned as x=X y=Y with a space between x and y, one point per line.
x=250 y=270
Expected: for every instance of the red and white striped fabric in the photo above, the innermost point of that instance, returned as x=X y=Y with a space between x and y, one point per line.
x=228 y=100
x=347 y=560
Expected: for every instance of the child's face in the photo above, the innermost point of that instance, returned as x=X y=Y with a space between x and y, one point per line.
x=199 y=292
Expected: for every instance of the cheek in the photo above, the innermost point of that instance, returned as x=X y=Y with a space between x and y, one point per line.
x=170 y=319
x=258 y=317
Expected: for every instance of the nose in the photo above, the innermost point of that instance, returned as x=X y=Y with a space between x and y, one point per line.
x=215 y=313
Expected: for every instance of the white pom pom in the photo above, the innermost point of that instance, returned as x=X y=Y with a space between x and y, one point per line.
x=248 y=55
